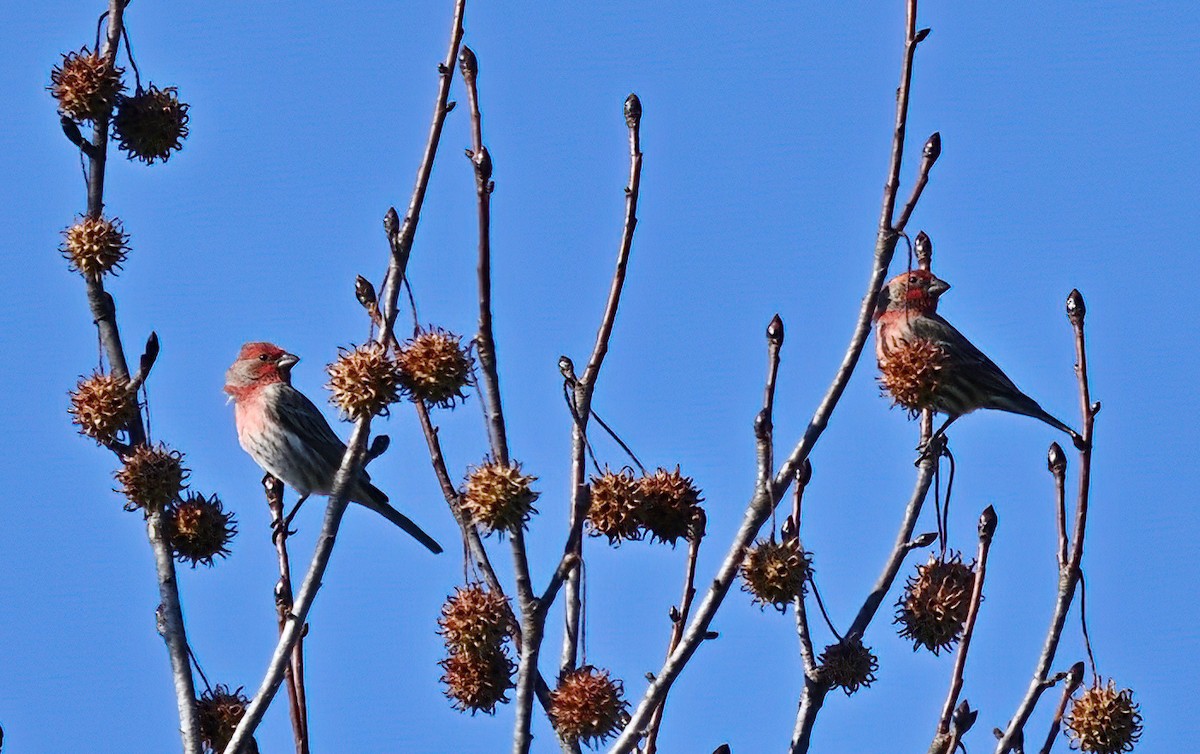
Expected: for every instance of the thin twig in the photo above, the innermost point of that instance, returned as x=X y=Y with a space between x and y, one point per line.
x=679 y=618
x=803 y=633
x=987 y=530
x=584 y=388
x=355 y=455
x=527 y=673
x=1074 y=678
x=293 y=676
x=1056 y=461
x=1069 y=573
x=764 y=501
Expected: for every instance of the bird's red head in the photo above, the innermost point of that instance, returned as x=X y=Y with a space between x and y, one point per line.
x=258 y=365
x=915 y=291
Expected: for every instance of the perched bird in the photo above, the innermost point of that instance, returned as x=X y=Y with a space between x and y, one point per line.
x=927 y=364
x=288 y=436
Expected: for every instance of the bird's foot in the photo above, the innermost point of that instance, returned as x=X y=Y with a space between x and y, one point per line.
x=931 y=448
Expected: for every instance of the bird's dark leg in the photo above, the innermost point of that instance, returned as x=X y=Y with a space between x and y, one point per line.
x=287 y=521
x=933 y=446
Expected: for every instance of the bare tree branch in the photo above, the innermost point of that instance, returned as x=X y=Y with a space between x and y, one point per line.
x=169 y=618
x=356 y=449
x=987 y=529
x=1074 y=677
x=294 y=674
x=764 y=501
x=585 y=387
x=1069 y=573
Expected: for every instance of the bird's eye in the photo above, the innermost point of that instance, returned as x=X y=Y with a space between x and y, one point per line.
x=264 y=357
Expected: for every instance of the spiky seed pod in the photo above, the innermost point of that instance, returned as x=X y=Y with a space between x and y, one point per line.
x=934 y=605
x=199 y=529
x=475 y=619
x=85 y=85
x=912 y=374
x=774 y=573
x=364 y=381
x=614 y=510
x=101 y=406
x=848 y=665
x=219 y=710
x=434 y=367
x=667 y=504
x=95 y=246
x=588 y=706
x=498 y=497
x=478 y=681
x=151 y=477
x=1104 y=720
x=151 y=124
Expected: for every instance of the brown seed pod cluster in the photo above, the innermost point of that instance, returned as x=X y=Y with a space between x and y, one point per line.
x=151 y=477
x=848 y=665
x=95 y=246
x=588 y=706
x=934 y=605
x=151 y=124
x=667 y=504
x=101 y=406
x=1104 y=720
x=498 y=497
x=912 y=374
x=219 y=710
x=613 y=511
x=476 y=624
x=475 y=619
x=478 y=682
x=774 y=573
x=434 y=367
x=85 y=85
x=364 y=381
x=199 y=529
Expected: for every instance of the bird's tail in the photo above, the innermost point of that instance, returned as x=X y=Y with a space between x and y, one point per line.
x=372 y=497
x=1032 y=409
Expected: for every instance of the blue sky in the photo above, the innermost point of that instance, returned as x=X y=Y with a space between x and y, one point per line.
x=1069 y=160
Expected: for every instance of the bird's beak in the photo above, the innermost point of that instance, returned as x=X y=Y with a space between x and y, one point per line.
x=287 y=361
x=937 y=287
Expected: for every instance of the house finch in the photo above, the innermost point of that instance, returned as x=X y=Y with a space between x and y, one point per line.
x=288 y=436
x=926 y=363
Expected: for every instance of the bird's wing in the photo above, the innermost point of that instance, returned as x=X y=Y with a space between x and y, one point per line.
x=989 y=384
x=303 y=421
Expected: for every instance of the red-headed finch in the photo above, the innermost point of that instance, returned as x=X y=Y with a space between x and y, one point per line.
x=927 y=364
x=288 y=436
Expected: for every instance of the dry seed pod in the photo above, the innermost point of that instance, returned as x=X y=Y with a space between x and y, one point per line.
x=935 y=603
x=588 y=706
x=199 y=529
x=85 y=85
x=498 y=497
x=95 y=246
x=774 y=573
x=363 y=381
x=151 y=124
x=667 y=504
x=475 y=619
x=848 y=665
x=478 y=681
x=912 y=374
x=101 y=406
x=1104 y=720
x=613 y=511
x=434 y=367
x=151 y=477
x=219 y=711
